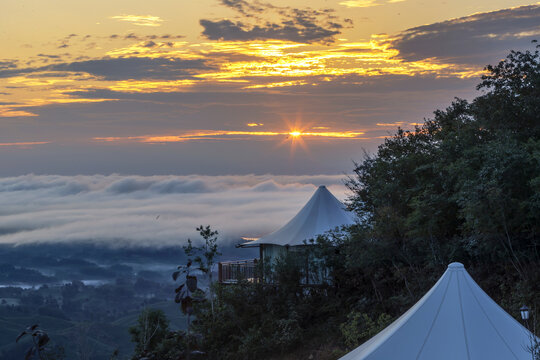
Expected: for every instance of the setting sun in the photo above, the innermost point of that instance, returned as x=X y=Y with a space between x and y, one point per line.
x=295 y=133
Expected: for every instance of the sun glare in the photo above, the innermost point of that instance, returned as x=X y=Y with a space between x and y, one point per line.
x=295 y=133
x=295 y=136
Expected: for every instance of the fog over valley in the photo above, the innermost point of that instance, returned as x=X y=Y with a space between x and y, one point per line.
x=150 y=211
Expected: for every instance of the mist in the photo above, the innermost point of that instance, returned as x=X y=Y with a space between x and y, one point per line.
x=150 y=211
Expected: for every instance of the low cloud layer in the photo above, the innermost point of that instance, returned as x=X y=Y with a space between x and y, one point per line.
x=150 y=211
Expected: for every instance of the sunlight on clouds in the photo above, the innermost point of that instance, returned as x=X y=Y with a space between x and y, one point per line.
x=43 y=80
x=359 y=3
x=53 y=98
x=41 y=89
x=149 y=86
x=399 y=124
x=285 y=59
x=329 y=134
x=268 y=48
x=168 y=49
x=224 y=135
x=27 y=144
x=278 y=84
x=74 y=100
x=9 y=111
x=367 y=3
x=140 y=20
x=254 y=65
x=271 y=64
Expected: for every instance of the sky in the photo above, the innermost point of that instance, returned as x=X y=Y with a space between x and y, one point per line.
x=219 y=87
x=130 y=122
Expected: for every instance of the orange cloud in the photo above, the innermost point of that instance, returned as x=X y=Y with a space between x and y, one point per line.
x=399 y=124
x=10 y=112
x=264 y=64
x=224 y=134
x=25 y=144
x=271 y=64
x=366 y=3
x=330 y=134
x=140 y=20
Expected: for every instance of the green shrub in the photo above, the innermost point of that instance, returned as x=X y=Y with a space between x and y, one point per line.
x=359 y=327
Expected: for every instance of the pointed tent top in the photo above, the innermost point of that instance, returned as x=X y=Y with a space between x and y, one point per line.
x=323 y=212
x=456 y=319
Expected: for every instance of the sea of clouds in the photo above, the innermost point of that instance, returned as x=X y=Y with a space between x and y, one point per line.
x=150 y=211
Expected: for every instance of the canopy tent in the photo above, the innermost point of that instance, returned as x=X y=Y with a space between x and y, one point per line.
x=456 y=319
x=323 y=212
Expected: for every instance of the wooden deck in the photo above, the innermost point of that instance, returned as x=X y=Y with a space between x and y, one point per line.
x=230 y=272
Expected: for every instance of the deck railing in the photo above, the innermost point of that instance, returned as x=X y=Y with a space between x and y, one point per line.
x=230 y=272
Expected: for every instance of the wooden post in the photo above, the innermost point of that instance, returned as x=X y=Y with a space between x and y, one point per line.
x=255 y=263
x=220 y=272
x=261 y=256
x=307 y=269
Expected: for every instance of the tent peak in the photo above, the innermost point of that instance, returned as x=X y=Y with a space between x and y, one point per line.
x=455 y=319
x=456 y=266
x=322 y=213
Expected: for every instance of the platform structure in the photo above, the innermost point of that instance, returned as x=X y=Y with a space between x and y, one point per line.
x=322 y=213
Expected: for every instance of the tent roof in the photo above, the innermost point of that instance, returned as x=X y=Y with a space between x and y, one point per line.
x=323 y=212
x=456 y=319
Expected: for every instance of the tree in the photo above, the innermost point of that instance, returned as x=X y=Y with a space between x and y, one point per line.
x=151 y=329
x=187 y=294
x=209 y=252
x=464 y=186
x=512 y=91
x=40 y=345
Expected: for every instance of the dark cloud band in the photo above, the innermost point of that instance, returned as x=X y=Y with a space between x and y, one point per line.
x=237 y=31
x=297 y=25
x=475 y=39
x=123 y=68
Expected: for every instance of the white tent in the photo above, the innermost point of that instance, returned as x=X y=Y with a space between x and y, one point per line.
x=456 y=319
x=323 y=212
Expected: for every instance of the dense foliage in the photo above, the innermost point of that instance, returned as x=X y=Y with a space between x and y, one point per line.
x=463 y=187
x=153 y=339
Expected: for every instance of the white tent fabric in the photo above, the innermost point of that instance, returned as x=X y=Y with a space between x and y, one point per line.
x=323 y=212
x=456 y=319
